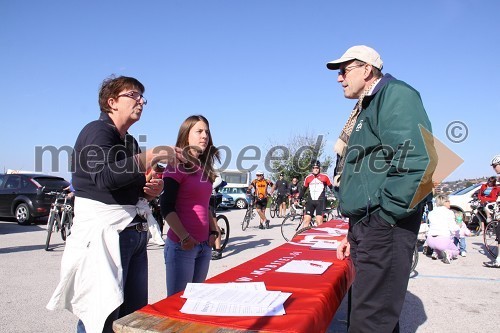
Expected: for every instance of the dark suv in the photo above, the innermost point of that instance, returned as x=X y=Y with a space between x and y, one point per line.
x=25 y=196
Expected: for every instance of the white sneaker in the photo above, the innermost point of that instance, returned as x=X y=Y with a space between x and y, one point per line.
x=446 y=257
x=463 y=254
x=434 y=255
x=488 y=220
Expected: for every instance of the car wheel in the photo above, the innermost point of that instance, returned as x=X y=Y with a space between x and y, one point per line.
x=23 y=214
x=241 y=203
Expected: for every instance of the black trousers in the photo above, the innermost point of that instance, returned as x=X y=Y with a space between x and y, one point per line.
x=382 y=255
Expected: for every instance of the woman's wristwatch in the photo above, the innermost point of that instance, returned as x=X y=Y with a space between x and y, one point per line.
x=214 y=232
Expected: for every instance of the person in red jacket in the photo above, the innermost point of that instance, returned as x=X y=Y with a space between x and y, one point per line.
x=488 y=193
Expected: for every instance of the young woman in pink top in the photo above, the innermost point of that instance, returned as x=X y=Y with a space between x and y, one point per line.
x=184 y=206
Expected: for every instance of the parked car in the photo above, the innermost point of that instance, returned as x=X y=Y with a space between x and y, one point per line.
x=459 y=200
x=227 y=201
x=238 y=194
x=25 y=196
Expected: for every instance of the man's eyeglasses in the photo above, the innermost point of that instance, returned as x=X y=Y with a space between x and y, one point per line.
x=134 y=95
x=345 y=71
x=315 y=167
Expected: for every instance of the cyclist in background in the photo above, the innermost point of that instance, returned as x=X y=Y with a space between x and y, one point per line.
x=495 y=163
x=294 y=191
x=282 y=187
x=488 y=192
x=260 y=186
x=215 y=201
x=317 y=183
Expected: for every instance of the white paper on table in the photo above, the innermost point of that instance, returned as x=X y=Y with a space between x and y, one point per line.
x=220 y=294
x=325 y=245
x=209 y=308
x=195 y=289
x=305 y=267
x=333 y=231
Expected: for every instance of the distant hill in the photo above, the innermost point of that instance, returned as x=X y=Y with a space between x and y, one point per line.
x=451 y=186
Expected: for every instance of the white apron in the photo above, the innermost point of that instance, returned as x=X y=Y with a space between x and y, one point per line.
x=91 y=284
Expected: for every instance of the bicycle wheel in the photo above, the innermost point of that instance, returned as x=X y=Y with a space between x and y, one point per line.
x=289 y=227
x=223 y=224
x=273 y=209
x=246 y=219
x=414 y=260
x=301 y=230
x=50 y=228
x=490 y=238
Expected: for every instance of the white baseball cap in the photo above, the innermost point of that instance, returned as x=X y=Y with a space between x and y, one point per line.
x=358 y=52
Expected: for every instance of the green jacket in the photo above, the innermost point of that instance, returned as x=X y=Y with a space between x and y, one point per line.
x=386 y=156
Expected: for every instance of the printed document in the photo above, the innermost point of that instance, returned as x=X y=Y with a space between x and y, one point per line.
x=233 y=299
x=305 y=267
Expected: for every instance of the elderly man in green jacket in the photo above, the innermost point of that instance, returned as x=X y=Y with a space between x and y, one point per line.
x=385 y=162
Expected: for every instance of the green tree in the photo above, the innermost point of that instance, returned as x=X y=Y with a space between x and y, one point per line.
x=295 y=157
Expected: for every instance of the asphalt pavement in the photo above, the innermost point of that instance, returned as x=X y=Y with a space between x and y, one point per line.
x=462 y=296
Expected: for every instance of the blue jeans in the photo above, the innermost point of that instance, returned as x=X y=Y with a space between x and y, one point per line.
x=185 y=266
x=134 y=258
x=462 y=243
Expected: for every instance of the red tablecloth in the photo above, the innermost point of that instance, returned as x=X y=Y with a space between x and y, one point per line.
x=310 y=308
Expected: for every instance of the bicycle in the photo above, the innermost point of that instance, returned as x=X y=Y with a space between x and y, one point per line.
x=249 y=214
x=295 y=209
x=290 y=227
x=477 y=217
x=490 y=238
x=221 y=220
x=273 y=208
x=60 y=217
x=223 y=225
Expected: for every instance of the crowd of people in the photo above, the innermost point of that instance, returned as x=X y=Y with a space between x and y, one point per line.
x=104 y=269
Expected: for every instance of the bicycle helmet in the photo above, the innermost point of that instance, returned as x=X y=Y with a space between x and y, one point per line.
x=316 y=164
x=495 y=160
x=259 y=172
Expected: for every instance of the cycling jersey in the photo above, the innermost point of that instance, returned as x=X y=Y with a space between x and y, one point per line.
x=488 y=193
x=317 y=185
x=281 y=187
x=261 y=187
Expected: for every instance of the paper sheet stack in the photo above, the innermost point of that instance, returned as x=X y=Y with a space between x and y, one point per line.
x=233 y=299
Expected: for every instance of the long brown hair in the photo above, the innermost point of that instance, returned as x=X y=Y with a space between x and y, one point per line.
x=207 y=158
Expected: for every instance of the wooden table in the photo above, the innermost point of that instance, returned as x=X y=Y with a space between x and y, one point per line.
x=314 y=300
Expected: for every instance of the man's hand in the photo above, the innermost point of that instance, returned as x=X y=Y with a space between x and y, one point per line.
x=344 y=249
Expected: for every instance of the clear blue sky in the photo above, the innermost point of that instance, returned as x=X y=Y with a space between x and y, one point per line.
x=255 y=69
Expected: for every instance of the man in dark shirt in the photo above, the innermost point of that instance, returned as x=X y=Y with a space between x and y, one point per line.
x=282 y=189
